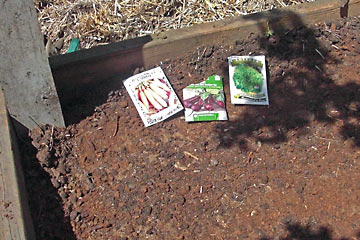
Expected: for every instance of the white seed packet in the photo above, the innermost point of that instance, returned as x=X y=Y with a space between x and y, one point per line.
x=153 y=96
x=248 y=82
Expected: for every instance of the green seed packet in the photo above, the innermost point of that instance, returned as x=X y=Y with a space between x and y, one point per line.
x=205 y=101
x=248 y=82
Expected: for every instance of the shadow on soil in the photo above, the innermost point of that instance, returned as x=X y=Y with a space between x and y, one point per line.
x=298 y=232
x=45 y=204
x=90 y=96
x=301 y=91
x=85 y=78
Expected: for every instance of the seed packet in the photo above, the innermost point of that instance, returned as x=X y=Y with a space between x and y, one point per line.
x=205 y=101
x=247 y=76
x=153 y=96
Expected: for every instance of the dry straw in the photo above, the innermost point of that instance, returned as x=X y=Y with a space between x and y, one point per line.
x=97 y=22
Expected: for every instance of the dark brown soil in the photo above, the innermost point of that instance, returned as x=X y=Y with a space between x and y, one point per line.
x=290 y=170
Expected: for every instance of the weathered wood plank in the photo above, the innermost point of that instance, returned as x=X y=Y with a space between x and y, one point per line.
x=25 y=74
x=177 y=42
x=15 y=220
x=72 y=71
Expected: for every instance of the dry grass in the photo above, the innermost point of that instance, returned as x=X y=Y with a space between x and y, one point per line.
x=97 y=22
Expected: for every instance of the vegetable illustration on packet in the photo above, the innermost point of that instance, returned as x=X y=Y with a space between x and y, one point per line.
x=205 y=101
x=153 y=96
x=247 y=76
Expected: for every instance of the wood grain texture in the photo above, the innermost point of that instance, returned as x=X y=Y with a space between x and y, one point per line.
x=25 y=74
x=15 y=220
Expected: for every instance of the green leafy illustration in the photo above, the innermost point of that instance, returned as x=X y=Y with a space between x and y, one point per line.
x=250 y=62
x=204 y=95
x=247 y=79
x=220 y=97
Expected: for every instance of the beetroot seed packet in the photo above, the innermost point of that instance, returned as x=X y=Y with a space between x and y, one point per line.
x=205 y=101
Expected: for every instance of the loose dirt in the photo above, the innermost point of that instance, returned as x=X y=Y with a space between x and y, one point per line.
x=290 y=170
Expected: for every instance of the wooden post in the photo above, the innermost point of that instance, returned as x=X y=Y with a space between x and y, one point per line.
x=25 y=75
x=15 y=219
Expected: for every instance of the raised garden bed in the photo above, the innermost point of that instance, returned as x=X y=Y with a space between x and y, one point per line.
x=289 y=170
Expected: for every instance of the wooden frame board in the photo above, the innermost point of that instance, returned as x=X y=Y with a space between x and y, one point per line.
x=25 y=74
x=75 y=70
x=15 y=219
